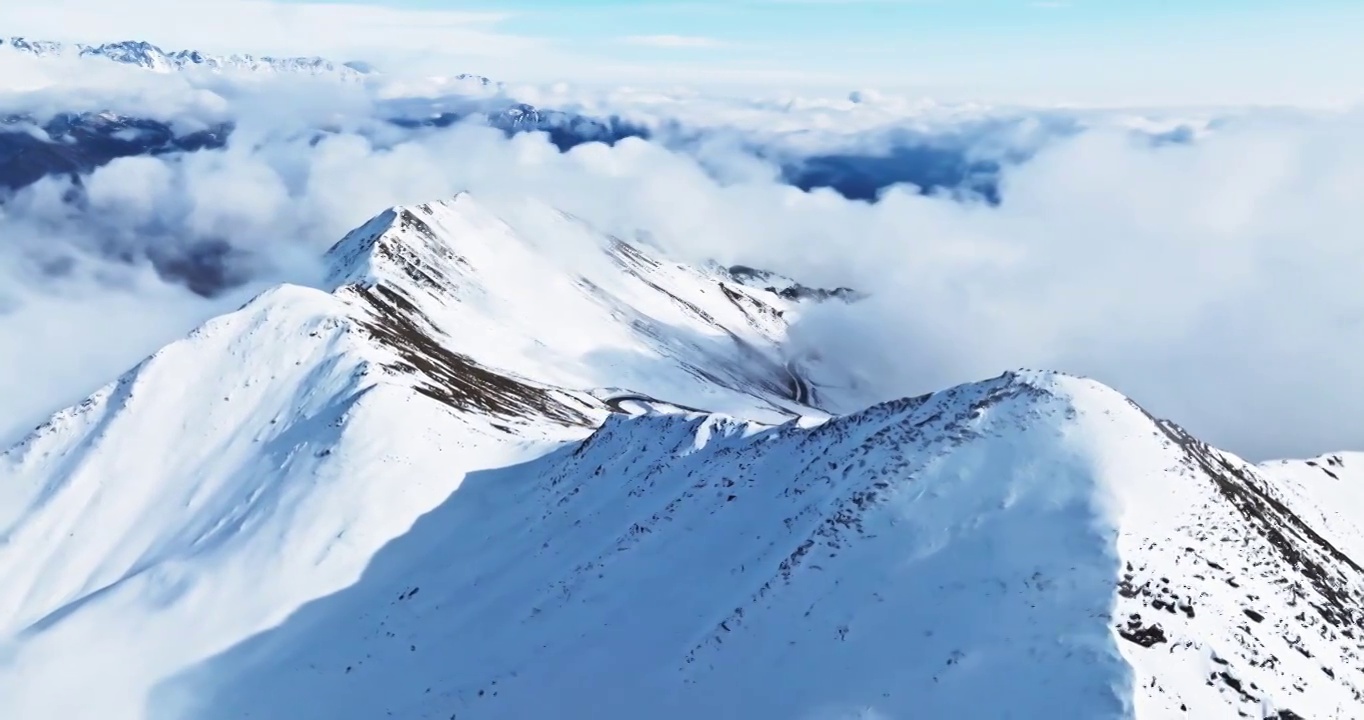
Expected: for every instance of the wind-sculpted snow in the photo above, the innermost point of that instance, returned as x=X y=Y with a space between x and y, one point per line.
x=506 y=465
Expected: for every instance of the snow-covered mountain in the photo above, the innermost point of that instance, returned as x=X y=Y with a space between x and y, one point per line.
x=150 y=57
x=505 y=465
x=73 y=144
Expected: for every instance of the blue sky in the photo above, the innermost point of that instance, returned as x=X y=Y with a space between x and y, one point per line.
x=789 y=23
x=1072 y=47
x=1083 y=51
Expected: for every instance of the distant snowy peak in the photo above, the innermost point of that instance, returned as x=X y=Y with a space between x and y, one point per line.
x=480 y=80
x=150 y=57
x=787 y=287
x=396 y=246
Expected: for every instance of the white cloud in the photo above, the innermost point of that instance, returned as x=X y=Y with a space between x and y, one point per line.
x=60 y=342
x=672 y=41
x=1214 y=281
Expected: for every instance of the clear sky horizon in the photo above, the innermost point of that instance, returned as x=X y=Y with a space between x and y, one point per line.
x=1101 y=51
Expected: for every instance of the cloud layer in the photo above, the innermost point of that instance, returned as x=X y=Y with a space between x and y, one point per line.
x=1213 y=278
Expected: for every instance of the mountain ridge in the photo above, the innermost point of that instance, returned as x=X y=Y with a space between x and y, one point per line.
x=1155 y=627
x=503 y=464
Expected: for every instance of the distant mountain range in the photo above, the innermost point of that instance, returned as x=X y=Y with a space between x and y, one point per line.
x=71 y=145
x=74 y=144
x=147 y=56
x=150 y=57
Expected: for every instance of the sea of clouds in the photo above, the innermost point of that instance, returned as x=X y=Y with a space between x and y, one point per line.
x=1205 y=262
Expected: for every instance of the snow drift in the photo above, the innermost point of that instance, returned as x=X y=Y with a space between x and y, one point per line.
x=505 y=465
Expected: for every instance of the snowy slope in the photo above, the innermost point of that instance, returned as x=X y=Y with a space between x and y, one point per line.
x=503 y=465
x=150 y=57
x=1328 y=492
x=1030 y=546
x=543 y=295
x=262 y=461
x=223 y=482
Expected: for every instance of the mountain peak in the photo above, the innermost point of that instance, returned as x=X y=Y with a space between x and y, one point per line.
x=398 y=245
x=539 y=293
